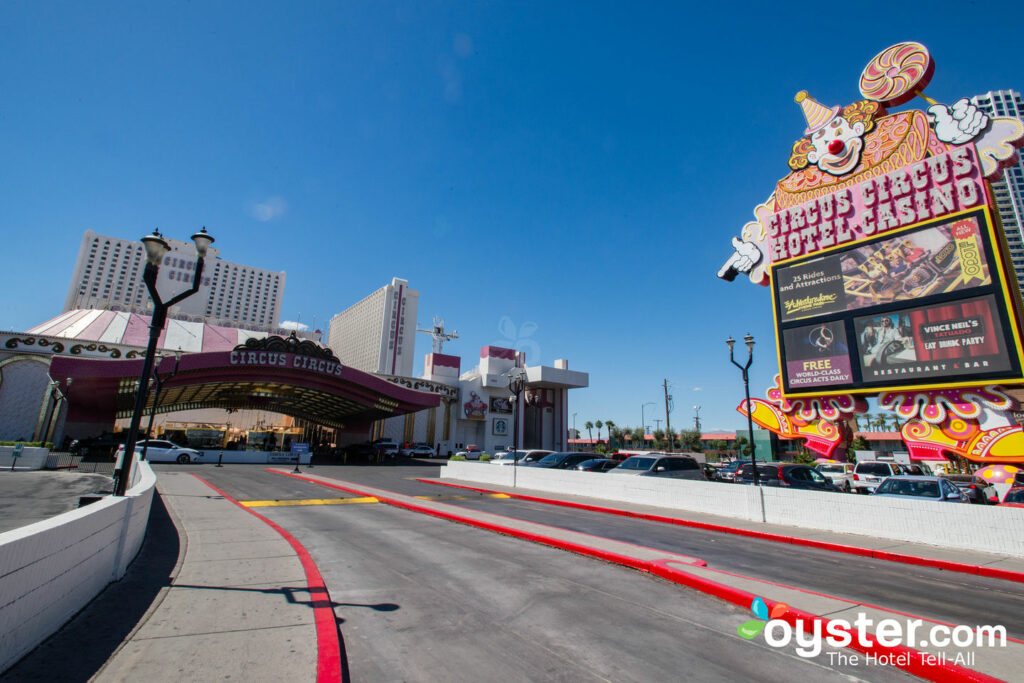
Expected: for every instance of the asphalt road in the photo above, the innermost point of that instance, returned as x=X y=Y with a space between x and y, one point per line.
x=924 y=591
x=422 y=599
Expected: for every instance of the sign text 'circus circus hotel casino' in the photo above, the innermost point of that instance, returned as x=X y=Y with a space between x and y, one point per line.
x=887 y=268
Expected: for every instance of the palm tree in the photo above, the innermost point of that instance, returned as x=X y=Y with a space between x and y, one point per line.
x=589 y=426
x=638 y=435
x=609 y=425
x=599 y=424
x=896 y=421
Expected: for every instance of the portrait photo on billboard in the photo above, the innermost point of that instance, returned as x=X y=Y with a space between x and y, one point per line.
x=817 y=355
x=938 y=259
x=957 y=339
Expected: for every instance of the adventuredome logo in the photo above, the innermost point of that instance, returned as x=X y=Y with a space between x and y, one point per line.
x=864 y=633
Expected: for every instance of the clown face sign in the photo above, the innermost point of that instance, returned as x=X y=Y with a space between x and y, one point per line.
x=859 y=153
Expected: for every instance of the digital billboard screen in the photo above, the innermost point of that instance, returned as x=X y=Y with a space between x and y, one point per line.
x=917 y=307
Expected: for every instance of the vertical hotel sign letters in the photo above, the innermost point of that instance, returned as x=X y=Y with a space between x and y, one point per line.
x=886 y=266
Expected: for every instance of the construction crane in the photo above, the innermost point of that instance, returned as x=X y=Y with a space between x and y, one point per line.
x=439 y=335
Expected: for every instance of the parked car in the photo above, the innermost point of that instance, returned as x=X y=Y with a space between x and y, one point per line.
x=1014 y=498
x=385 y=446
x=597 y=465
x=159 y=450
x=653 y=465
x=727 y=472
x=920 y=488
x=868 y=474
x=470 y=452
x=419 y=450
x=916 y=470
x=507 y=457
x=840 y=474
x=787 y=474
x=979 y=491
x=565 y=460
x=532 y=455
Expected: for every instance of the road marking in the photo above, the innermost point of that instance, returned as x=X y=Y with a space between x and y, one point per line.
x=345 y=501
x=312 y=501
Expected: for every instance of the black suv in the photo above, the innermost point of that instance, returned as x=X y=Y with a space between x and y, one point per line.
x=790 y=475
x=566 y=460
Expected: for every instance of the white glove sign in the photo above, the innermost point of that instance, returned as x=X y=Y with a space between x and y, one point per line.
x=957 y=124
x=746 y=256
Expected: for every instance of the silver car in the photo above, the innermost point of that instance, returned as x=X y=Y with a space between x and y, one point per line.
x=921 y=488
x=670 y=466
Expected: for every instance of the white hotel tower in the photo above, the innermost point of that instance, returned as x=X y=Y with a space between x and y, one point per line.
x=1009 y=190
x=108 y=275
x=377 y=333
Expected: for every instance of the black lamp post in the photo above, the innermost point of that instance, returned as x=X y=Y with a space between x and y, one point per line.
x=749 y=340
x=156 y=248
x=516 y=383
x=158 y=382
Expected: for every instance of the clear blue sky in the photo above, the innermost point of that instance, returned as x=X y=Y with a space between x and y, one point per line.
x=578 y=168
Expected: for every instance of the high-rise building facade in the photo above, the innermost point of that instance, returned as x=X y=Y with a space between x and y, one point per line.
x=108 y=275
x=378 y=333
x=1009 y=190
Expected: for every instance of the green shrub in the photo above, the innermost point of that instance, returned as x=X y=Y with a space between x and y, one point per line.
x=484 y=457
x=457 y=457
x=28 y=444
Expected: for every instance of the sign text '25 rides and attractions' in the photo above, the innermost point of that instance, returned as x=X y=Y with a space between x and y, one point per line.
x=889 y=270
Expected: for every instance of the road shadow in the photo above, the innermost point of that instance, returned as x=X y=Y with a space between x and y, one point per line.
x=78 y=650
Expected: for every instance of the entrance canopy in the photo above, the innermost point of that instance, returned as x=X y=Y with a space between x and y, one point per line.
x=287 y=376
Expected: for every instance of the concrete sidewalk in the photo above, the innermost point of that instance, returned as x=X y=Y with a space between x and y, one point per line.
x=215 y=593
x=920 y=550
x=237 y=606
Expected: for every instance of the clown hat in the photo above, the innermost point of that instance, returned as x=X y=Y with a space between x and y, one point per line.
x=818 y=116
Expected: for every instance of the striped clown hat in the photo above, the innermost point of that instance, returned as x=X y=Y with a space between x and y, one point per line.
x=818 y=116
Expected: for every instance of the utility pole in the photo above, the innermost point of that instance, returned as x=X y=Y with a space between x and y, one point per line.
x=696 y=418
x=668 y=424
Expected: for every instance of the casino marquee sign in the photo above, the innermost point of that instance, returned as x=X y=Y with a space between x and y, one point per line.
x=889 y=271
x=887 y=266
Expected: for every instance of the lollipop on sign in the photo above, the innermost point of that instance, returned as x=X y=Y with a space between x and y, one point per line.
x=902 y=71
x=898 y=73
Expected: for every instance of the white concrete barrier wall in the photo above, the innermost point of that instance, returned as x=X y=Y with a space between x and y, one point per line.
x=52 y=569
x=33 y=458
x=983 y=528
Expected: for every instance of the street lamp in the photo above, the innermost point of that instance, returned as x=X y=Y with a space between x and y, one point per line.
x=696 y=418
x=749 y=341
x=516 y=383
x=156 y=249
x=159 y=383
x=643 y=420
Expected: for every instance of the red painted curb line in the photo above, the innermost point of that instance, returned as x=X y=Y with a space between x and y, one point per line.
x=960 y=567
x=328 y=661
x=917 y=664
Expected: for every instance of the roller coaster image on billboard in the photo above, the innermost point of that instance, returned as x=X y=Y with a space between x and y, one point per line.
x=913 y=308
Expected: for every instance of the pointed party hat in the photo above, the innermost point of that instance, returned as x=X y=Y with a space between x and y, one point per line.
x=818 y=116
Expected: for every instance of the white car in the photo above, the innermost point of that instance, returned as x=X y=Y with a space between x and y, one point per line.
x=868 y=474
x=419 y=450
x=385 y=446
x=158 y=450
x=839 y=473
x=470 y=452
